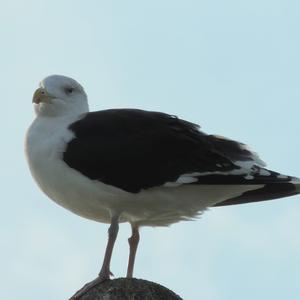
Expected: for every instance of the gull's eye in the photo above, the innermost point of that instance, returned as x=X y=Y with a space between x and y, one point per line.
x=69 y=90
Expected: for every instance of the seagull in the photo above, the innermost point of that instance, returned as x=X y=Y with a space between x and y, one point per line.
x=143 y=167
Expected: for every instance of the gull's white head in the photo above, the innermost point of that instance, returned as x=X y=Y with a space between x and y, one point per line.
x=60 y=95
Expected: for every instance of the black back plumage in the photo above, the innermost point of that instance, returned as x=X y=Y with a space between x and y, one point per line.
x=135 y=149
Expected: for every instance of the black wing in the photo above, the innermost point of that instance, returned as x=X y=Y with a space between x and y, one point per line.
x=135 y=149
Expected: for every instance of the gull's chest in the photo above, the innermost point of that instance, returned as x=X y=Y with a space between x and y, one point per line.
x=44 y=147
x=44 y=141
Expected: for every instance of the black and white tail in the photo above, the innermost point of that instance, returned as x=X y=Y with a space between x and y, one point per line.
x=251 y=170
x=274 y=186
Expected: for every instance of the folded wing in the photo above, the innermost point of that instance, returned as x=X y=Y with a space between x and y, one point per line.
x=135 y=149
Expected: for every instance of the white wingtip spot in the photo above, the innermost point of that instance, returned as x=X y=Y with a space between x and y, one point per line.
x=296 y=182
x=254 y=156
x=186 y=179
x=183 y=179
x=264 y=172
x=281 y=176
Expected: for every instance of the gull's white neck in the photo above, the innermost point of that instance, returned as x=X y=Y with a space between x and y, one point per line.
x=51 y=125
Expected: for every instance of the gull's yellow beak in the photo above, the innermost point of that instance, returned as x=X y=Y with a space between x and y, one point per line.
x=41 y=95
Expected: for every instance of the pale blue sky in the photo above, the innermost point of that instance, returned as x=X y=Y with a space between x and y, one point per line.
x=231 y=66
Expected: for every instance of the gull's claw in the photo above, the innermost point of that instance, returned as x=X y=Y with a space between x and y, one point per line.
x=89 y=285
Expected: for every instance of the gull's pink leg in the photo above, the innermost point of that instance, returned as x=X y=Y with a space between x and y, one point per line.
x=105 y=270
x=112 y=236
x=133 y=244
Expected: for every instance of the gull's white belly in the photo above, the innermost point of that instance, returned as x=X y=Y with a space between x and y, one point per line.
x=73 y=191
x=155 y=207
